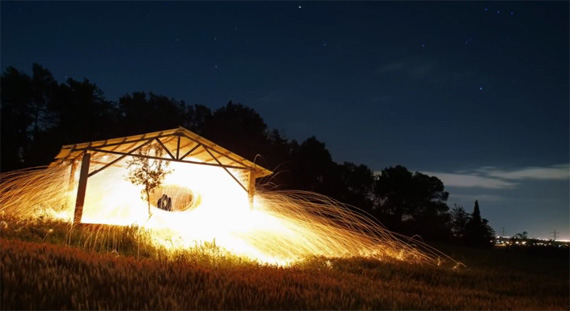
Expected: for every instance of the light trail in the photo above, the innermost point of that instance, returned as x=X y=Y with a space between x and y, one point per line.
x=281 y=228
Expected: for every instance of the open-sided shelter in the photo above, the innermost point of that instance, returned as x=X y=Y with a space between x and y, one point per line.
x=177 y=145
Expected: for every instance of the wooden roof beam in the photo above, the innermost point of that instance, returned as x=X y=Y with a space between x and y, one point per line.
x=119 y=158
x=172 y=160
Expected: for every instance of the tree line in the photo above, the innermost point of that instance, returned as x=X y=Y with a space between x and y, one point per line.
x=39 y=115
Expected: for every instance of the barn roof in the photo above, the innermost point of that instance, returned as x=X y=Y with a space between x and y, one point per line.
x=178 y=145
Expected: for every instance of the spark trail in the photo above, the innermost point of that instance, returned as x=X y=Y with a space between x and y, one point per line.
x=281 y=228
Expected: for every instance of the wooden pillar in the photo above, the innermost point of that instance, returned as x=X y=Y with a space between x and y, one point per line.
x=81 y=188
x=251 y=188
x=71 y=183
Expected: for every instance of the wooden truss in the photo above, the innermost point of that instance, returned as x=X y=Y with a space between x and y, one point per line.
x=178 y=145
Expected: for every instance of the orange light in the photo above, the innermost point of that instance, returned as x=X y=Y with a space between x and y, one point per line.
x=209 y=205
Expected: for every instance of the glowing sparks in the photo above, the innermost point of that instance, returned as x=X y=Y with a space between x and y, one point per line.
x=208 y=205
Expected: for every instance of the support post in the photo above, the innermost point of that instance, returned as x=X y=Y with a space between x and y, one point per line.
x=178 y=148
x=251 y=188
x=81 y=188
x=71 y=183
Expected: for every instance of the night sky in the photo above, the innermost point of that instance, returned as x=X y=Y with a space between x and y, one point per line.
x=475 y=93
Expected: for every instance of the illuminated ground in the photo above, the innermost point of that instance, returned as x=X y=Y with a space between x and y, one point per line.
x=281 y=228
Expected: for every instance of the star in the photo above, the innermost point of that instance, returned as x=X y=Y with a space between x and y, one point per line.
x=423 y=45
x=299 y=7
x=480 y=88
x=498 y=12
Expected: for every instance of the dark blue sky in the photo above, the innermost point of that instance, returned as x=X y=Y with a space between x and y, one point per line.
x=476 y=93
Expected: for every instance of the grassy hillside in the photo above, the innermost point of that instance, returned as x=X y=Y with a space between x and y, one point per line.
x=71 y=268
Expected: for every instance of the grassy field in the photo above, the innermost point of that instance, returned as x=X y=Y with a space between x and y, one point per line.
x=51 y=265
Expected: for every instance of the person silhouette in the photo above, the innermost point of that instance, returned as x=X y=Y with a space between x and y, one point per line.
x=159 y=203
x=169 y=204
x=165 y=203
x=162 y=202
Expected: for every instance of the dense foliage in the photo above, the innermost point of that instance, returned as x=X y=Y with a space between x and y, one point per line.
x=39 y=115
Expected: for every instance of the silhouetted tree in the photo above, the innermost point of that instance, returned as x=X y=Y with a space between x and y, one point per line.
x=478 y=232
x=237 y=128
x=278 y=157
x=44 y=87
x=314 y=169
x=17 y=118
x=196 y=118
x=521 y=236
x=459 y=220
x=140 y=112
x=412 y=203
x=78 y=112
x=357 y=185
x=392 y=190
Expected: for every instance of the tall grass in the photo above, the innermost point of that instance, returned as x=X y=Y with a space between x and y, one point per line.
x=46 y=276
x=47 y=264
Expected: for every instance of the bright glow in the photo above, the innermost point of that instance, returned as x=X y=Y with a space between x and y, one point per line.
x=209 y=205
